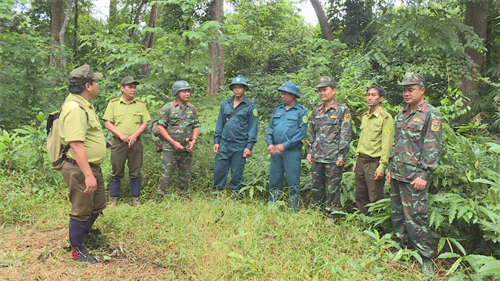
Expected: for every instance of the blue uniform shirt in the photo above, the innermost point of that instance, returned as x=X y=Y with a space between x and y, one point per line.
x=287 y=127
x=241 y=128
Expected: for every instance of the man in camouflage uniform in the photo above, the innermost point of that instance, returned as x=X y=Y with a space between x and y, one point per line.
x=374 y=147
x=414 y=158
x=234 y=137
x=286 y=129
x=126 y=117
x=178 y=127
x=327 y=144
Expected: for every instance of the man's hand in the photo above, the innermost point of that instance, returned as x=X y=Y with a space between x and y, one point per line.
x=309 y=158
x=271 y=150
x=216 y=148
x=354 y=168
x=178 y=146
x=90 y=184
x=125 y=138
x=378 y=175
x=132 y=139
x=388 y=177
x=419 y=184
x=340 y=163
x=279 y=148
x=191 y=146
x=247 y=152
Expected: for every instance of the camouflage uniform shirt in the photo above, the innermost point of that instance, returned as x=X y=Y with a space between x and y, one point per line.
x=329 y=133
x=417 y=144
x=179 y=123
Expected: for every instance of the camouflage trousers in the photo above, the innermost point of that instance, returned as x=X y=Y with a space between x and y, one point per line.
x=169 y=161
x=325 y=189
x=409 y=208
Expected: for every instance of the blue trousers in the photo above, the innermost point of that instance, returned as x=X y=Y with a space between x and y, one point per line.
x=229 y=156
x=287 y=162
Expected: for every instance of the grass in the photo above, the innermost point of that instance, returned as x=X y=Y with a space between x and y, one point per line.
x=194 y=238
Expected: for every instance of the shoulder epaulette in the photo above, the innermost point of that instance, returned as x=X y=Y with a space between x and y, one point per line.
x=366 y=112
x=140 y=100
x=384 y=114
x=115 y=99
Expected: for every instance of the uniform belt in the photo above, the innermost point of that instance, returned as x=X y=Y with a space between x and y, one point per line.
x=73 y=161
x=367 y=159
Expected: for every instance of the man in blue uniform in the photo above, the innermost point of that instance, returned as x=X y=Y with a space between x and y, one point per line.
x=286 y=129
x=235 y=135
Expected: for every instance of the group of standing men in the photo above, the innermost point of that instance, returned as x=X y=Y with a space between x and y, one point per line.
x=410 y=150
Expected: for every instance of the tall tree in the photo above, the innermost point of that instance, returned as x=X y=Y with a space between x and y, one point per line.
x=215 y=76
x=323 y=21
x=476 y=16
x=137 y=17
x=56 y=23
x=149 y=39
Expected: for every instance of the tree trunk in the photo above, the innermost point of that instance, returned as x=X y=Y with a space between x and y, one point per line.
x=75 y=32
x=56 y=22
x=476 y=16
x=112 y=15
x=63 y=30
x=149 y=39
x=323 y=21
x=137 y=15
x=215 y=76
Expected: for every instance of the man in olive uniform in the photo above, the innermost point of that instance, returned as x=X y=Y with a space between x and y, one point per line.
x=79 y=126
x=374 y=147
x=178 y=127
x=328 y=139
x=126 y=117
x=286 y=129
x=414 y=157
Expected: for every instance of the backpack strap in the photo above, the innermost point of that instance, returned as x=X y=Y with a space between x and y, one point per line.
x=238 y=108
x=66 y=148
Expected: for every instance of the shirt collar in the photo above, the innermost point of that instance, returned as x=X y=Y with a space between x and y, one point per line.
x=376 y=113
x=421 y=107
x=80 y=99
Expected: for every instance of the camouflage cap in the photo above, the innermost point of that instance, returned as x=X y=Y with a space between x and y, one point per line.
x=82 y=75
x=129 y=80
x=412 y=78
x=326 y=81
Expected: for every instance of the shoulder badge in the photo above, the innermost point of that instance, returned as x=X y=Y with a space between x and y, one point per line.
x=335 y=106
x=435 y=125
x=347 y=117
x=384 y=114
x=364 y=113
x=113 y=100
x=140 y=101
x=304 y=119
x=254 y=112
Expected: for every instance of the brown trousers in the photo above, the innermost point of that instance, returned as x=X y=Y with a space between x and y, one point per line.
x=83 y=205
x=120 y=152
x=368 y=190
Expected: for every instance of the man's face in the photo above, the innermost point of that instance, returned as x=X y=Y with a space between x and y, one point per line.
x=92 y=88
x=413 y=94
x=326 y=94
x=287 y=98
x=129 y=91
x=373 y=99
x=184 y=95
x=239 y=90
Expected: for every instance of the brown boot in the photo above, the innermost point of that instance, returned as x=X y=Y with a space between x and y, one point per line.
x=114 y=201
x=136 y=202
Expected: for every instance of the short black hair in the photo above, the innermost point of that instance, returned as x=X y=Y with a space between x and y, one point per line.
x=381 y=92
x=78 y=89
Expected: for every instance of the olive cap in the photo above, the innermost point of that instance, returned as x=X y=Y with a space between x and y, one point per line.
x=129 y=80
x=82 y=75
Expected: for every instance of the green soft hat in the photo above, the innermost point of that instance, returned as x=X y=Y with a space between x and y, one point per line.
x=129 y=80
x=82 y=75
x=326 y=81
x=412 y=78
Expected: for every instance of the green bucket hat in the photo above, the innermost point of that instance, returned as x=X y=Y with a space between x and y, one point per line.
x=129 y=80
x=412 y=78
x=82 y=75
x=326 y=81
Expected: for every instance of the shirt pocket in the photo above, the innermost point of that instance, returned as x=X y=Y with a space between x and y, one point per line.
x=291 y=121
x=93 y=121
x=376 y=127
x=137 y=117
x=277 y=120
x=414 y=131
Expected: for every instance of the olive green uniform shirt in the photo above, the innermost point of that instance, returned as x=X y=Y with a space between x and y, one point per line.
x=74 y=126
x=377 y=137
x=127 y=118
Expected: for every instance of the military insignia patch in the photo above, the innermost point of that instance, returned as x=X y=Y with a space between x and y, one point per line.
x=416 y=119
x=190 y=112
x=387 y=130
x=347 y=117
x=187 y=85
x=333 y=116
x=435 y=125
x=255 y=112
x=238 y=79
x=304 y=119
